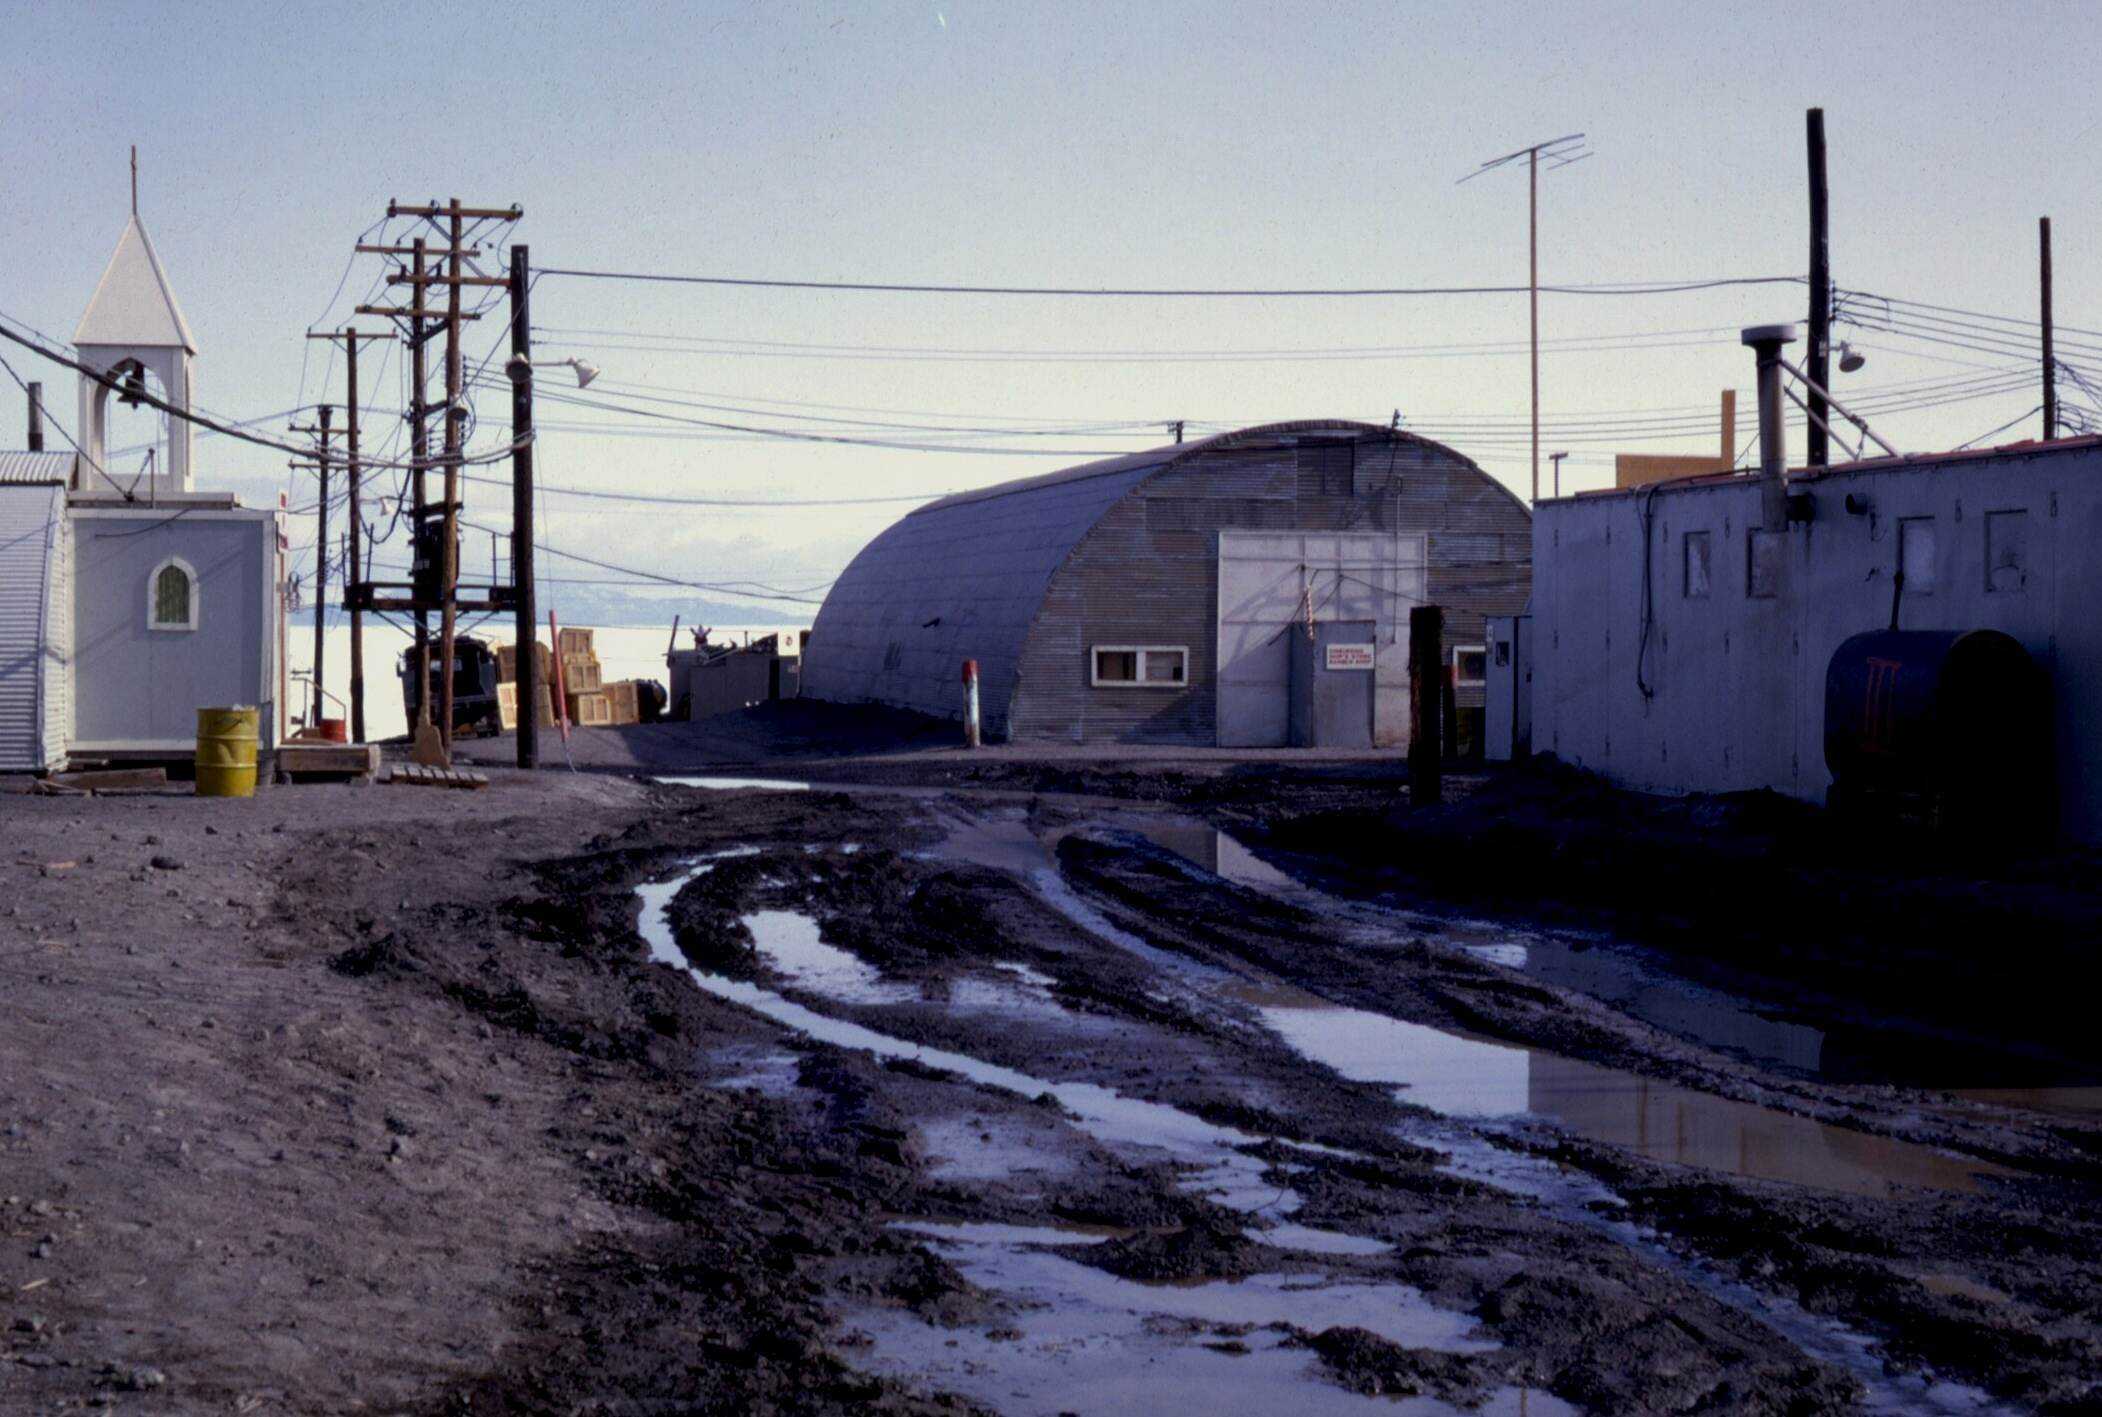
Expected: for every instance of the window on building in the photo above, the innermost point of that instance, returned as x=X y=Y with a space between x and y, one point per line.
x=1473 y=663
x=1916 y=554
x=1141 y=666
x=171 y=596
x=1697 y=566
x=2006 y=551
x=1763 y=553
x=1328 y=466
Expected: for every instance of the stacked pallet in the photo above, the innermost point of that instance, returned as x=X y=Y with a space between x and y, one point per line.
x=582 y=683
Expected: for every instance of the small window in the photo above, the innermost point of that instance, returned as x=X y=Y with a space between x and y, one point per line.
x=1698 y=562
x=1764 y=550
x=171 y=596
x=1916 y=554
x=2006 y=551
x=1328 y=466
x=1141 y=666
x=1473 y=663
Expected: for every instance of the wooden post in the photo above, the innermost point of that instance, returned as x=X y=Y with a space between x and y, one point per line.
x=449 y=542
x=1816 y=365
x=527 y=676
x=321 y=565
x=970 y=704
x=355 y=568
x=419 y=456
x=1426 y=637
x=1532 y=258
x=2043 y=236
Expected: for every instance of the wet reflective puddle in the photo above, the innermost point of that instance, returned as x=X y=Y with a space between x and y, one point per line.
x=730 y=784
x=1078 y=1339
x=1459 y=1076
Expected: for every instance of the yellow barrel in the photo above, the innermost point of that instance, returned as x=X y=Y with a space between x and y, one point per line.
x=226 y=752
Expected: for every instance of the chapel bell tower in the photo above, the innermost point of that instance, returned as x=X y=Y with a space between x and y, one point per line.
x=134 y=329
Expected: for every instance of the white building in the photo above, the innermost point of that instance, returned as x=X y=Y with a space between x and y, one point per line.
x=1680 y=633
x=129 y=602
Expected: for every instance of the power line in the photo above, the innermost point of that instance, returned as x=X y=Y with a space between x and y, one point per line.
x=231 y=430
x=662 y=499
x=895 y=288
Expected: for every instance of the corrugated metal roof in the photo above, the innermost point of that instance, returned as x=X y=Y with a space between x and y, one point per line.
x=36 y=467
x=962 y=578
x=31 y=524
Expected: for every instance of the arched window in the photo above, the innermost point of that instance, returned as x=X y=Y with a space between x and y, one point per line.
x=171 y=596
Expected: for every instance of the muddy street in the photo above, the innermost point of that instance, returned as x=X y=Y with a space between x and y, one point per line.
x=1024 y=1090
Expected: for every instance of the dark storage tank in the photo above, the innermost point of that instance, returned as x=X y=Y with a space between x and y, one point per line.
x=1947 y=728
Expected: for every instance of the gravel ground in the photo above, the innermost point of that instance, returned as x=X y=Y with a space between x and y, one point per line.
x=374 y=1099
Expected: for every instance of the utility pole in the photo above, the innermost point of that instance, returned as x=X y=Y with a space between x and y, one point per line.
x=526 y=678
x=323 y=455
x=354 y=561
x=2043 y=236
x=438 y=588
x=1816 y=363
x=1559 y=152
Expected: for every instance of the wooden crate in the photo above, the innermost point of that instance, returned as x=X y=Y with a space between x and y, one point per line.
x=507 y=706
x=580 y=674
x=507 y=663
x=590 y=711
x=620 y=694
x=575 y=642
x=326 y=760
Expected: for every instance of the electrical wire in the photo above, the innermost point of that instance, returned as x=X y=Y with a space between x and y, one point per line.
x=893 y=288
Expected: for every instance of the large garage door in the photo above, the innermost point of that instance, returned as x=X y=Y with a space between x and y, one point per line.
x=1268 y=581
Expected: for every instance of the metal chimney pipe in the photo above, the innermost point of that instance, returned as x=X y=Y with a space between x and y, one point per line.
x=1766 y=342
x=36 y=418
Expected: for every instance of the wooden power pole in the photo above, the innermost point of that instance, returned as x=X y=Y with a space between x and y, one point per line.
x=440 y=590
x=2043 y=237
x=354 y=560
x=323 y=456
x=1559 y=152
x=1816 y=364
x=526 y=678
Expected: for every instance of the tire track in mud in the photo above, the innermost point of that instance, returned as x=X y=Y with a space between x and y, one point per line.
x=1570 y=1307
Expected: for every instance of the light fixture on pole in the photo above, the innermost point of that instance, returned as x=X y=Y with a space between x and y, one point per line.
x=1559 y=152
x=518 y=367
x=1850 y=358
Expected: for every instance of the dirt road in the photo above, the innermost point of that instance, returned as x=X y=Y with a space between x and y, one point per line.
x=1008 y=1088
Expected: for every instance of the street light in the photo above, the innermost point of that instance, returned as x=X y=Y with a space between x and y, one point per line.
x=518 y=367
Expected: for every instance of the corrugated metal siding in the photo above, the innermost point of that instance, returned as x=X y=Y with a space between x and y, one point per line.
x=36 y=467
x=957 y=580
x=1027 y=579
x=32 y=524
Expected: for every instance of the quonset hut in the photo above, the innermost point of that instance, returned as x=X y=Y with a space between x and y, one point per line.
x=1249 y=590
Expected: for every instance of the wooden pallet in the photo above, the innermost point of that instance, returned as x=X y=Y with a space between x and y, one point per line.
x=416 y=775
x=298 y=760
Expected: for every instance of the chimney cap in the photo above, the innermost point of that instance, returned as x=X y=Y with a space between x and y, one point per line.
x=1757 y=335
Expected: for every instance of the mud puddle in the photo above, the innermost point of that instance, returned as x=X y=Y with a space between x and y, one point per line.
x=1078 y=1339
x=1069 y=1312
x=1625 y=976
x=731 y=784
x=1462 y=1077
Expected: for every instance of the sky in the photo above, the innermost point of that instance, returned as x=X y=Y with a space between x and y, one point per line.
x=1214 y=145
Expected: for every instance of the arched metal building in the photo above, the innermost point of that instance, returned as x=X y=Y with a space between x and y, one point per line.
x=1251 y=589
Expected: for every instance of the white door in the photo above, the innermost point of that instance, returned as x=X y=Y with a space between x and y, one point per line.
x=1268 y=582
